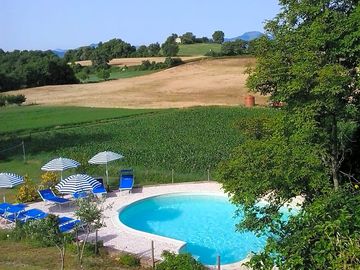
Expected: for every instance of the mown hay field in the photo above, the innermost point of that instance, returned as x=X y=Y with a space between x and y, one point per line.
x=201 y=83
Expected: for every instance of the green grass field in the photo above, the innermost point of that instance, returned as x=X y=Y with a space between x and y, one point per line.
x=188 y=141
x=118 y=73
x=198 y=49
x=26 y=256
x=35 y=118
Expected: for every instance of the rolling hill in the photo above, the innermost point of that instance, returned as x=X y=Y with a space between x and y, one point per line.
x=200 y=83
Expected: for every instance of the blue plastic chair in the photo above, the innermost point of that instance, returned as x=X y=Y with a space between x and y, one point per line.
x=10 y=212
x=47 y=195
x=126 y=181
x=99 y=190
x=24 y=216
x=80 y=195
x=69 y=226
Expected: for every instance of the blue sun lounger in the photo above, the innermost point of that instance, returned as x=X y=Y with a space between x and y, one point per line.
x=126 y=181
x=47 y=195
x=80 y=195
x=9 y=212
x=25 y=215
x=99 y=190
x=69 y=225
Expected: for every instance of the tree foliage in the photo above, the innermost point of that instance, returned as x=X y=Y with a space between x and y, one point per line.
x=218 y=36
x=90 y=212
x=188 y=38
x=312 y=65
x=169 y=47
x=20 y=69
x=154 y=49
x=174 y=261
x=231 y=48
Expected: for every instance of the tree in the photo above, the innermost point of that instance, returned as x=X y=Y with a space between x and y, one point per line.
x=170 y=48
x=142 y=51
x=188 y=38
x=218 y=36
x=310 y=64
x=90 y=212
x=100 y=59
x=48 y=233
x=103 y=74
x=314 y=71
x=231 y=48
x=172 y=38
x=154 y=49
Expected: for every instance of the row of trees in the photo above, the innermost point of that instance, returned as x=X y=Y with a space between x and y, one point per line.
x=114 y=48
x=190 y=38
x=117 y=48
x=312 y=148
x=20 y=69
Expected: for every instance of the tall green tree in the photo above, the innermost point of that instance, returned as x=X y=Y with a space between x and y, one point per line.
x=154 y=49
x=188 y=38
x=170 y=47
x=142 y=51
x=312 y=65
x=90 y=212
x=218 y=36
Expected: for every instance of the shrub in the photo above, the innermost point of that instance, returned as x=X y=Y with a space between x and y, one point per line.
x=4 y=234
x=128 y=260
x=48 y=180
x=103 y=74
x=172 y=62
x=2 y=101
x=179 y=262
x=27 y=192
x=15 y=99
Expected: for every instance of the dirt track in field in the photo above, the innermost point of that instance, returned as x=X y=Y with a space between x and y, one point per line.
x=201 y=83
x=137 y=61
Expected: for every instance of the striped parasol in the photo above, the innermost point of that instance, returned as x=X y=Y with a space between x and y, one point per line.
x=60 y=165
x=104 y=158
x=77 y=183
x=10 y=180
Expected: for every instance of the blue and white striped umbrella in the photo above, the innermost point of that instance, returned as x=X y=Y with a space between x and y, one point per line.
x=10 y=180
x=77 y=183
x=60 y=165
x=104 y=158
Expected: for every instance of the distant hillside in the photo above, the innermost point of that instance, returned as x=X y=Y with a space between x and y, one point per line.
x=59 y=52
x=198 y=49
x=248 y=36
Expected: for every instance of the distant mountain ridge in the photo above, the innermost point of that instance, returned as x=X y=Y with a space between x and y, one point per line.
x=59 y=52
x=248 y=36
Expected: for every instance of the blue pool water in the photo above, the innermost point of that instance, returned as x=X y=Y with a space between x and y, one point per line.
x=205 y=222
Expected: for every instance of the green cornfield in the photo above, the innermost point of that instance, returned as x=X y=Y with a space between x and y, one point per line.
x=184 y=144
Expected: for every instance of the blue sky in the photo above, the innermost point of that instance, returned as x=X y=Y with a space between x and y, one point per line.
x=48 y=24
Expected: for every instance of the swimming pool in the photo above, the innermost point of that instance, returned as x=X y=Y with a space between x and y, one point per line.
x=205 y=222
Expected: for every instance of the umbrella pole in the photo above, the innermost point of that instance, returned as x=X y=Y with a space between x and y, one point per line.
x=107 y=176
x=61 y=175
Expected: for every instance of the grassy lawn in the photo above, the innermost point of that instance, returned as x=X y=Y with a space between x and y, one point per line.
x=21 y=255
x=118 y=73
x=33 y=118
x=188 y=141
x=198 y=49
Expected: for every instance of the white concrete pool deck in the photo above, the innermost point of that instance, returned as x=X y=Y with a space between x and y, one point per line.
x=120 y=237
